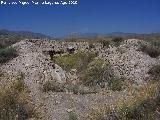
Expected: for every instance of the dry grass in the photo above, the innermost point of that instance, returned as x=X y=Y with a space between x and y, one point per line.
x=52 y=86
x=152 y=50
x=141 y=103
x=7 y=54
x=77 y=60
x=155 y=72
x=15 y=102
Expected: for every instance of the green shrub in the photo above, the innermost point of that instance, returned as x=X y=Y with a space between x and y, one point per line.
x=79 y=89
x=73 y=116
x=15 y=103
x=140 y=103
x=105 y=43
x=99 y=73
x=77 y=60
x=115 y=83
x=155 y=72
x=114 y=41
x=91 y=46
x=8 y=40
x=155 y=43
x=7 y=53
x=144 y=110
x=152 y=51
x=117 y=39
x=52 y=86
x=72 y=88
x=94 y=73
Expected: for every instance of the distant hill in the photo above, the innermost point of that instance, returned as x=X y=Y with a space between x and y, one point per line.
x=120 y=34
x=8 y=37
x=25 y=34
x=86 y=35
x=89 y=34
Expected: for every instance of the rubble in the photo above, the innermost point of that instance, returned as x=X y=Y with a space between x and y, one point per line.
x=127 y=61
x=36 y=65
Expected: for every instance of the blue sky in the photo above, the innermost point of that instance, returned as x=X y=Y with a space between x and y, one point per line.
x=89 y=16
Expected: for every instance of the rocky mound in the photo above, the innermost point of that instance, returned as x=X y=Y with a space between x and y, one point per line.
x=128 y=61
x=38 y=69
x=35 y=66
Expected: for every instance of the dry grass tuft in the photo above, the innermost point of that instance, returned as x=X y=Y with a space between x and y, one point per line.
x=16 y=102
x=140 y=104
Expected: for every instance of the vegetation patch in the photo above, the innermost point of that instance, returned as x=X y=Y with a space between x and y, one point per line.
x=155 y=43
x=142 y=108
x=73 y=116
x=8 y=40
x=94 y=73
x=152 y=50
x=115 y=83
x=105 y=43
x=79 y=89
x=155 y=72
x=77 y=60
x=143 y=105
x=15 y=102
x=7 y=53
x=99 y=73
x=117 y=39
x=91 y=46
x=75 y=89
x=52 y=86
x=114 y=41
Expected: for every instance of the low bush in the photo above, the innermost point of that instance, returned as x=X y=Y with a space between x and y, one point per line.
x=143 y=110
x=52 y=86
x=77 y=60
x=143 y=104
x=152 y=51
x=95 y=73
x=15 y=103
x=92 y=72
x=79 y=89
x=7 y=53
x=72 y=88
x=155 y=43
x=105 y=43
x=8 y=40
x=73 y=116
x=117 y=40
x=91 y=46
x=155 y=72
x=114 y=41
x=115 y=83
x=99 y=73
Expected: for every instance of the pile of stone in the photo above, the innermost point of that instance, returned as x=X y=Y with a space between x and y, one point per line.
x=47 y=45
x=35 y=66
x=128 y=61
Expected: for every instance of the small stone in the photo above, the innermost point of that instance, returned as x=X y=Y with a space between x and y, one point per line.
x=69 y=110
